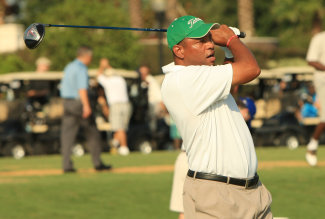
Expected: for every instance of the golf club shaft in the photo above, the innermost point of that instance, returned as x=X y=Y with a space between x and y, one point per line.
x=241 y=35
x=105 y=27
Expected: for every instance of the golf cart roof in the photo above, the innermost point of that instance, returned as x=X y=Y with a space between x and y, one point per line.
x=304 y=73
x=56 y=75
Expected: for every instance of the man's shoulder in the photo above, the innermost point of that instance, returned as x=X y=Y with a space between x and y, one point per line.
x=75 y=66
x=319 y=36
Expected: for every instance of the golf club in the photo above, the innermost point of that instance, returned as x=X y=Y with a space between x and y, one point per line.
x=34 y=34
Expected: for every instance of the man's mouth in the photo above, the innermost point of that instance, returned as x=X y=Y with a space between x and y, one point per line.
x=211 y=55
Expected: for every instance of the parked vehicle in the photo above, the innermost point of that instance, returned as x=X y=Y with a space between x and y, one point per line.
x=31 y=129
x=283 y=129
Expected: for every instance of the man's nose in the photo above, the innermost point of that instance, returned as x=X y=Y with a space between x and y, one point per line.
x=210 y=44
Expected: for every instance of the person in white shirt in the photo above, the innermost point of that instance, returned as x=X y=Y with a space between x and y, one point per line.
x=222 y=181
x=155 y=103
x=316 y=58
x=115 y=88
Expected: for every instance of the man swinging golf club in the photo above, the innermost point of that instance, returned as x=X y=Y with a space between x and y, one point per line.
x=222 y=181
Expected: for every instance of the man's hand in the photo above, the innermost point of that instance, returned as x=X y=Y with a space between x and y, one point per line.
x=244 y=65
x=86 y=111
x=221 y=35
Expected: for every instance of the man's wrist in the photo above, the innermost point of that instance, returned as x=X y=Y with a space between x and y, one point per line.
x=230 y=39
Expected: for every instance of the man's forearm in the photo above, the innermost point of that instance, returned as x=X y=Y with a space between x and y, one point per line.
x=317 y=65
x=84 y=97
x=245 y=65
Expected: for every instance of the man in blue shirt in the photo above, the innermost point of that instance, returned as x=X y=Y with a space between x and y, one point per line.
x=77 y=111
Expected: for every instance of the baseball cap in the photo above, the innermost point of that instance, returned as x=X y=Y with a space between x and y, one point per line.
x=187 y=27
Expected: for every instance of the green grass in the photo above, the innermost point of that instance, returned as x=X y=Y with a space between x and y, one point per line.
x=298 y=192
x=54 y=161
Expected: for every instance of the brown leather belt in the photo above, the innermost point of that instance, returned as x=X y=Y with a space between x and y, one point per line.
x=229 y=180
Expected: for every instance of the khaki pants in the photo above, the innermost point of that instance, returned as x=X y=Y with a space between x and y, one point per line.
x=205 y=199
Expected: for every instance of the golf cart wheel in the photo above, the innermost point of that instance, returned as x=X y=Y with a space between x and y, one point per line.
x=145 y=147
x=18 y=151
x=78 y=150
x=291 y=141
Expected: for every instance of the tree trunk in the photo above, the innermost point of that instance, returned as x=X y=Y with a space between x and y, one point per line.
x=136 y=20
x=171 y=12
x=3 y=6
x=246 y=16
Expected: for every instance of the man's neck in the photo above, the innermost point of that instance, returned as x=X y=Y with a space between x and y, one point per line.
x=80 y=59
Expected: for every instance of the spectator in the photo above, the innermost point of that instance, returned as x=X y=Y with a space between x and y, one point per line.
x=154 y=96
x=316 y=58
x=180 y=170
x=246 y=106
x=38 y=90
x=290 y=88
x=308 y=103
x=77 y=111
x=174 y=134
x=120 y=109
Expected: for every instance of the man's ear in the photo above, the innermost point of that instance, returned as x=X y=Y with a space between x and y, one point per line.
x=178 y=51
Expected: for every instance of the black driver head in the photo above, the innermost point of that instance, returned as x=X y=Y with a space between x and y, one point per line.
x=33 y=35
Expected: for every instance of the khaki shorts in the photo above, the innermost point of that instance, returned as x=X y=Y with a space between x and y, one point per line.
x=319 y=82
x=180 y=171
x=119 y=116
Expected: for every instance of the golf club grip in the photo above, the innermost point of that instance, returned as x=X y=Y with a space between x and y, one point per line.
x=242 y=34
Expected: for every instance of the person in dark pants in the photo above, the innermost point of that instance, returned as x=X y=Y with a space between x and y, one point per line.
x=77 y=111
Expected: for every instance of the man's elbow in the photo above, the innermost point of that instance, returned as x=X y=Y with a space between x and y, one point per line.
x=258 y=71
x=255 y=71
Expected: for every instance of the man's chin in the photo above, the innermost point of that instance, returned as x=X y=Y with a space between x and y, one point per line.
x=211 y=60
x=212 y=63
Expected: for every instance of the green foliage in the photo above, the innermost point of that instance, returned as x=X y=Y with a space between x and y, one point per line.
x=13 y=63
x=213 y=10
x=60 y=44
x=290 y=21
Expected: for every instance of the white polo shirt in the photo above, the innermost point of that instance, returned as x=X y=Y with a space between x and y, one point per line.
x=215 y=135
x=115 y=88
x=316 y=53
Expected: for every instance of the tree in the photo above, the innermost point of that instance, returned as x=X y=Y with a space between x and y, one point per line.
x=60 y=44
x=3 y=6
x=246 y=16
x=136 y=19
x=171 y=12
x=294 y=20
